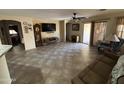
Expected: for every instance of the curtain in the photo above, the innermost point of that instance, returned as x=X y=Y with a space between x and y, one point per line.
x=99 y=32
x=120 y=27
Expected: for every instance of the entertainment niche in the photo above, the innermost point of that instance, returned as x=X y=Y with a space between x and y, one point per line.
x=45 y=28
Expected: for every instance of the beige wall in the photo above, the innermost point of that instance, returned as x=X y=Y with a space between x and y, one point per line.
x=48 y=34
x=111 y=24
x=28 y=37
x=29 y=40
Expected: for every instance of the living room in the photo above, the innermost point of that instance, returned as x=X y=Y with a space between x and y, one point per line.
x=51 y=56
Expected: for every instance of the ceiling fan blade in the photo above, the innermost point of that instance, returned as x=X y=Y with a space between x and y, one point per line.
x=81 y=17
x=74 y=17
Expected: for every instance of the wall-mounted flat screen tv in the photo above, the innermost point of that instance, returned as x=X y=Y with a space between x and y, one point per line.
x=47 y=27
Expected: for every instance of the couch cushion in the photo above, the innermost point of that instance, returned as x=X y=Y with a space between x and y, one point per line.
x=102 y=69
x=93 y=78
x=120 y=80
x=77 y=80
x=107 y=60
x=122 y=50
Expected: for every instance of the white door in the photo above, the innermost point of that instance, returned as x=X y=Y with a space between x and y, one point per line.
x=86 y=33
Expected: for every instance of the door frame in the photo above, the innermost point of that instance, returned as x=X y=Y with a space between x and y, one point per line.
x=5 y=25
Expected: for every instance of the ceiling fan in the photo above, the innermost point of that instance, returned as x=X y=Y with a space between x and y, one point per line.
x=74 y=17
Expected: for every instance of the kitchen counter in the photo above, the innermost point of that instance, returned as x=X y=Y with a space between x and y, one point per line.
x=4 y=49
x=4 y=71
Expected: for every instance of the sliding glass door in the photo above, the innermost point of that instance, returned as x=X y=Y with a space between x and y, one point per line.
x=99 y=32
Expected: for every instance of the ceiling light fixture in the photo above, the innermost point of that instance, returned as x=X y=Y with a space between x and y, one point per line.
x=77 y=19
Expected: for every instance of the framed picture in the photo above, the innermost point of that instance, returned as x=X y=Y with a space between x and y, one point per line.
x=26 y=29
x=75 y=27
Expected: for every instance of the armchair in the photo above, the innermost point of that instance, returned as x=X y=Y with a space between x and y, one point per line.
x=113 y=52
x=112 y=46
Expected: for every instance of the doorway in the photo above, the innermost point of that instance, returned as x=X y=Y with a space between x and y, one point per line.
x=86 y=33
x=14 y=35
x=67 y=31
x=11 y=33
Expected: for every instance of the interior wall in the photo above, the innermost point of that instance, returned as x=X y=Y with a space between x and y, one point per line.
x=111 y=22
x=30 y=35
x=48 y=34
x=111 y=25
x=26 y=36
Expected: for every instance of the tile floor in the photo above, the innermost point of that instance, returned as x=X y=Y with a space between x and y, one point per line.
x=51 y=64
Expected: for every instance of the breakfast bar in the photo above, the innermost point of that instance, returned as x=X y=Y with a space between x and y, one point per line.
x=4 y=72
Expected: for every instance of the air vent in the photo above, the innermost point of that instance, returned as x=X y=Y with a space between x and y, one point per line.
x=102 y=9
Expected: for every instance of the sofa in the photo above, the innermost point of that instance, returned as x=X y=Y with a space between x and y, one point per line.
x=102 y=69
x=111 y=46
x=96 y=73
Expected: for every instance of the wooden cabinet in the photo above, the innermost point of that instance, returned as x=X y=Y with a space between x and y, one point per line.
x=37 y=35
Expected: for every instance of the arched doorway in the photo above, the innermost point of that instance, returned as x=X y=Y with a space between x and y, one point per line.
x=11 y=32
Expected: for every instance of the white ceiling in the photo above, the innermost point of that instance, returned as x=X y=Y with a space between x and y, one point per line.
x=56 y=13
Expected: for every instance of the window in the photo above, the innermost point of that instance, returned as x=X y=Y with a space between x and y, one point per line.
x=120 y=27
x=11 y=32
x=99 y=32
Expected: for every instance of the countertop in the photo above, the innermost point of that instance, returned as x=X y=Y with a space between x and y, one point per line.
x=4 y=49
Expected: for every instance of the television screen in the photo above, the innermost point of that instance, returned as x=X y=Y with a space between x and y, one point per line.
x=46 y=27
